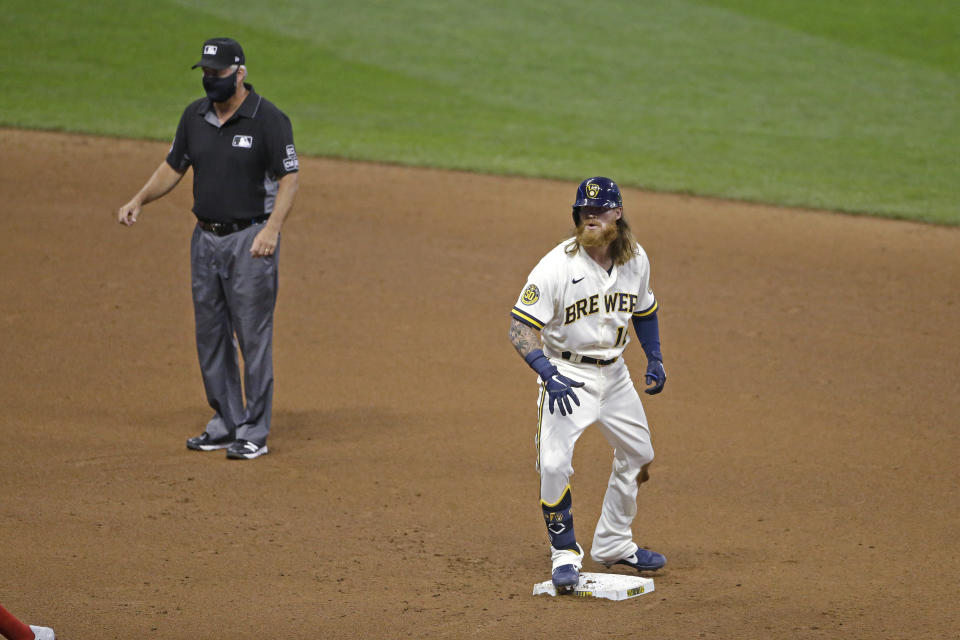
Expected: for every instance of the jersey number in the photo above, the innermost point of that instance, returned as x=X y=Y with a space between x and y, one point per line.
x=621 y=337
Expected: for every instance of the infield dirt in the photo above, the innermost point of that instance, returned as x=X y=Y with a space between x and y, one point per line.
x=806 y=477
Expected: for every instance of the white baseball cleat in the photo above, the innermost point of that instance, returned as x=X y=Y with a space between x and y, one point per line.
x=42 y=633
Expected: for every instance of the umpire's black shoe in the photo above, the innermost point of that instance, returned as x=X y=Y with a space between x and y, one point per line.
x=246 y=450
x=204 y=442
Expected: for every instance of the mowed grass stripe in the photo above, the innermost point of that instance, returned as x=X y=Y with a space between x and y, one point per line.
x=681 y=96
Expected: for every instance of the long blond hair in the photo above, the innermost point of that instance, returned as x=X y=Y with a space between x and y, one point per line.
x=622 y=249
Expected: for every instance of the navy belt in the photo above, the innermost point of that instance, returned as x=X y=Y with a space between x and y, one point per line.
x=226 y=228
x=572 y=357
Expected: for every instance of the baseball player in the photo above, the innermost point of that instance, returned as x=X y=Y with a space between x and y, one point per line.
x=244 y=182
x=570 y=325
x=12 y=629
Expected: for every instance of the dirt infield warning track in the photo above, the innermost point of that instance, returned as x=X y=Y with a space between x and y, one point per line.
x=807 y=440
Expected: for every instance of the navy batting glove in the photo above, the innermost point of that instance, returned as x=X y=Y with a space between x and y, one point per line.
x=560 y=388
x=655 y=376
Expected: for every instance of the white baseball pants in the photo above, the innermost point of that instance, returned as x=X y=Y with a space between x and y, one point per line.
x=609 y=399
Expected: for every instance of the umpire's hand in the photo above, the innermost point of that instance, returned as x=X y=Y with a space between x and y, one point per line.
x=128 y=213
x=265 y=242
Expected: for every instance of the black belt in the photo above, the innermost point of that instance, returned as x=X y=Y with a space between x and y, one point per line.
x=226 y=228
x=566 y=355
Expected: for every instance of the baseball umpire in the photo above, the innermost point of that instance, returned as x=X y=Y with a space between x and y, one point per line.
x=570 y=325
x=244 y=183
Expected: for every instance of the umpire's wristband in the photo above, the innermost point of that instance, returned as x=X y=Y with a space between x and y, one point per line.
x=541 y=364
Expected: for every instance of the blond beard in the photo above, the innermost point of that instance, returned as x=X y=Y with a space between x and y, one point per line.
x=596 y=237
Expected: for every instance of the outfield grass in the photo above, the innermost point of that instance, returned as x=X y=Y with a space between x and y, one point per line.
x=850 y=106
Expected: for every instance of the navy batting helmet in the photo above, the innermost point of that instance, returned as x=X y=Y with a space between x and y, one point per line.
x=596 y=192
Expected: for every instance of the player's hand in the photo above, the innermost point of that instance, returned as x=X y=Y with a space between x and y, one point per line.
x=655 y=376
x=560 y=388
x=264 y=243
x=128 y=213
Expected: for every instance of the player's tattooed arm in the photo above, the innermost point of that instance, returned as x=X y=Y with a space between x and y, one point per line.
x=524 y=338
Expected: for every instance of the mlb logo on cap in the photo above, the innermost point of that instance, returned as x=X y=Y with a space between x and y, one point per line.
x=220 y=53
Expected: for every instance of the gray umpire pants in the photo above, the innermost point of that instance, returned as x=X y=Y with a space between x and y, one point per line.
x=234 y=294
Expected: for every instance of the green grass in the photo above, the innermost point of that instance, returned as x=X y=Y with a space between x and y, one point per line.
x=849 y=106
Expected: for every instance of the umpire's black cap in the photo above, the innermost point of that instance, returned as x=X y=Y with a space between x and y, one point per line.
x=220 y=53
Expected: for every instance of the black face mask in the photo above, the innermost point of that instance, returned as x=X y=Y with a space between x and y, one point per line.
x=220 y=89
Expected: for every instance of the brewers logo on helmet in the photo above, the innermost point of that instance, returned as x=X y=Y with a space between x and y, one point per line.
x=596 y=192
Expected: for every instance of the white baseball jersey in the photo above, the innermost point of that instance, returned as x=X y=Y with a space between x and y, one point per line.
x=578 y=307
